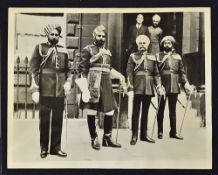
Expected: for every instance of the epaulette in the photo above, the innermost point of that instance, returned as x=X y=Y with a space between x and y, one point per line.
x=87 y=47
x=157 y=55
x=151 y=57
x=60 y=46
x=62 y=49
x=132 y=54
x=176 y=56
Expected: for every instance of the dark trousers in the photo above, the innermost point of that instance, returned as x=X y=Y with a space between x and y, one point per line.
x=172 y=100
x=51 y=114
x=145 y=100
x=108 y=124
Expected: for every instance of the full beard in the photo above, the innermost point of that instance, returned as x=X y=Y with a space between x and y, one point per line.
x=167 y=49
x=53 y=41
x=99 y=43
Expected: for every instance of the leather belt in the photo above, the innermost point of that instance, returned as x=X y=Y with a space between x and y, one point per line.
x=144 y=73
x=53 y=70
x=168 y=72
x=102 y=69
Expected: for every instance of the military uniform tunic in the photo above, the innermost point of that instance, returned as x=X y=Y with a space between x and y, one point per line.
x=50 y=68
x=172 y=71
x=142 y=73
x=97 y=70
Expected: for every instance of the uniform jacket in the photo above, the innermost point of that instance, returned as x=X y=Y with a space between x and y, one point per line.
x=142 y=73
x=49 y=67
x=93 y=67
x=155 y=35
x=132 y=35
x=88 y=59
x=172 y=71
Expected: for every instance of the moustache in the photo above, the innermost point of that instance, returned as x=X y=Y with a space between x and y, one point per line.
x=142 y=48
x=53 y=41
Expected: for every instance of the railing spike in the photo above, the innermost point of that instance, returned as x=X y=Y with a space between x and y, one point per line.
x=18 y=60
x=26 y=60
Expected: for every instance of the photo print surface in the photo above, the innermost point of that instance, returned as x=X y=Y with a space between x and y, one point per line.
x=130 y=88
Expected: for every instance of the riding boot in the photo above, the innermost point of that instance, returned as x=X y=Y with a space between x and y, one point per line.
x=107 y=137
x=92 y=130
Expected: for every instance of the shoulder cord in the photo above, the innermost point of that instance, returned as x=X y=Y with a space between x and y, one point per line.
x=139 y=62
x=45 y=57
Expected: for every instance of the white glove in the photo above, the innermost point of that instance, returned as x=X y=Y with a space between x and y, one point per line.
x=189 y=88
x=123 y=83
x=161 y=90
x=67 y=87
x=86 y=96
x=130 y=94
x=83 y=85
x=104 y=51
x=35 y=97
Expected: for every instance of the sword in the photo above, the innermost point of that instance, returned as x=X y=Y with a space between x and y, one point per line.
x=154 y=106
x=186 y=107
x=118 y=113
x=181 y=103
x=157 y=109
x=66 y=113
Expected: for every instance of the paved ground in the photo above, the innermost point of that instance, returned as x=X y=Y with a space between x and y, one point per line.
x=193 y=152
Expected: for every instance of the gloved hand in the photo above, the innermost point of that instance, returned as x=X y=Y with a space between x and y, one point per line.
x=35 y=97
x=67 y=87
x=130 y=94
x=189 y=88
x=83 y=85
x=123 y=83
x=104 y=51
x=86 y=96
x=161 y=90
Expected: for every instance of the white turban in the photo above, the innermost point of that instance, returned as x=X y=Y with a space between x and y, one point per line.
x=51 y=27
x=156 y=17
x=98 y=29
x=141 y=38
x=168 y=38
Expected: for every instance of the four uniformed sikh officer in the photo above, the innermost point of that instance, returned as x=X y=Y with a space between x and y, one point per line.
x=97 y=94
x=143 y=77
x=155 y=34
x=51 y=80
x=172 y=74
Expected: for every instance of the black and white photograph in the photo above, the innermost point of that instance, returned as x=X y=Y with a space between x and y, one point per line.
x=109 y=88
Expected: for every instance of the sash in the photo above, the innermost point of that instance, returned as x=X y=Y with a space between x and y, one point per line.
x=94 y=83
x=162 y=63
x=139 y=62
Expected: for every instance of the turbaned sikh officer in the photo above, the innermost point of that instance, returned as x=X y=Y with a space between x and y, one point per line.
x=96 y=87
x=172 y=76
x=51 y=81
x=142 y=77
